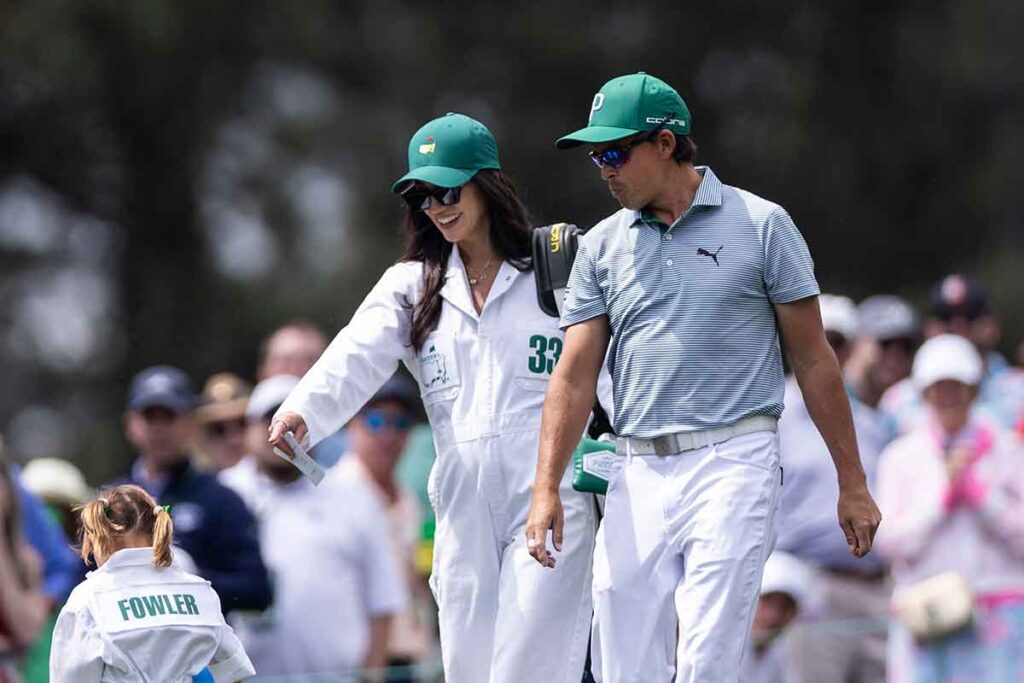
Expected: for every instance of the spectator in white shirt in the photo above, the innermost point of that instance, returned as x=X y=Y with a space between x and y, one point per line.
x=336 y=586
x=377 y=437
x=292 y=349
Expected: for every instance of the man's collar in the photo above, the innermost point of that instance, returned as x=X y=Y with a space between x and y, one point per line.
x=709 y=193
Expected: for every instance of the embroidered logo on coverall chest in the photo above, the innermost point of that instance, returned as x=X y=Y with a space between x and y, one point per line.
x=434 y=366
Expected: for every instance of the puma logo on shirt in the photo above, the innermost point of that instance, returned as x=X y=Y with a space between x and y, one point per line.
x=713 y=257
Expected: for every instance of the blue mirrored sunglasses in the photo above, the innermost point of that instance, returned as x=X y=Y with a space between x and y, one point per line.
x=378 y=421
x=617 y=156
x=418 y=196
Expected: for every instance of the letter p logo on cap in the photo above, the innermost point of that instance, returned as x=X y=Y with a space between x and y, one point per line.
x=597 y=104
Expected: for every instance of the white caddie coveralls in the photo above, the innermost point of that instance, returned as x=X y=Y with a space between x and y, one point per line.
x=132 y=621
x=503 y=617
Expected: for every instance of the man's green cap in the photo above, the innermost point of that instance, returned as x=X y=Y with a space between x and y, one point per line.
x=448 y=152
x=627 y=105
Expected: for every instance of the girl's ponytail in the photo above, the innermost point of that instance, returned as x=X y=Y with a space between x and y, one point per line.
x=98 y=531
x=163 y=531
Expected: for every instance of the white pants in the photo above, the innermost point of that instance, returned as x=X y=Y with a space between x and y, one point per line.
x=681 y=549
x=503 y=617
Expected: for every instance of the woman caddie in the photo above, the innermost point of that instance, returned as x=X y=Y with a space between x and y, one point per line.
x=460 y=310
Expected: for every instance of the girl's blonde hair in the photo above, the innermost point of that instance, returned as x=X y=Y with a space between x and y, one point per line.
x=121 y=512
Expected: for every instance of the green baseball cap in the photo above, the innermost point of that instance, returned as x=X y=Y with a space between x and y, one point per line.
x=448 y=152
x=628 y=105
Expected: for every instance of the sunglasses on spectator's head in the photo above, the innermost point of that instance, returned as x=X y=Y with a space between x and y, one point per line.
x=222 y=427
x=417 y=195
x=618 y=155
x=378 y=421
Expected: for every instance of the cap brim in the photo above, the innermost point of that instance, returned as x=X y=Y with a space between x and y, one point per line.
x=441 y=176
x=264 y=409
x=409 y=402
x=593 y=135
x=174 y=402
x=890 y=332
x=226 y=410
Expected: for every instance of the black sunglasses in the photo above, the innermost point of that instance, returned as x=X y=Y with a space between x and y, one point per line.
x=617 y=156
x=418 y=196
x=222 y=427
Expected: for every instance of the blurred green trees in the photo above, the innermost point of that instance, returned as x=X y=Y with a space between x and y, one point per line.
x=178 y=177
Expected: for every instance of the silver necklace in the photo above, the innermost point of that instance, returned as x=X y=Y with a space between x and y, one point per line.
x=481 y=274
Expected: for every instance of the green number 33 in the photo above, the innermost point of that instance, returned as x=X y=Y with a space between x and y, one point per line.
x=546 y=352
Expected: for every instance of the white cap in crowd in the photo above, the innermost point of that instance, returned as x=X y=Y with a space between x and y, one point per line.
x=268 y=395
x=56 y=480
x=838 y=314
x=947 y=356
x=885 y=317
x=784 y=573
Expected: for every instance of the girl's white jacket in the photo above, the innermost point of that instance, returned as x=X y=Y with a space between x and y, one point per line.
x=132 y=621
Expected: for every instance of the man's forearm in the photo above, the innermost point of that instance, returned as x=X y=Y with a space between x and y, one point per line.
x=566 y=407
x=825 y=397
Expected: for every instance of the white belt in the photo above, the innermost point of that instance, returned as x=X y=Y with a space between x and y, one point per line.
x=670 y=444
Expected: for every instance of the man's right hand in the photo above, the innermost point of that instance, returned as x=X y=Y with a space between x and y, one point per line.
x=287 y=422
x=545 y=513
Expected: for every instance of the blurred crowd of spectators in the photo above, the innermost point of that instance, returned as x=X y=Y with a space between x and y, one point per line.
x=314 y=579
x=938 y=416
x=332 y=578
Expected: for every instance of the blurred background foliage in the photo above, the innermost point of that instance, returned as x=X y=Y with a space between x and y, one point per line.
x=177 y=177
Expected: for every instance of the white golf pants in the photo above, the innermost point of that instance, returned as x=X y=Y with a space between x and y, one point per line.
x=503 y=617
x=681 y=550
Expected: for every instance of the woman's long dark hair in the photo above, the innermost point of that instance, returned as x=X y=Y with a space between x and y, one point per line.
x=510 y=235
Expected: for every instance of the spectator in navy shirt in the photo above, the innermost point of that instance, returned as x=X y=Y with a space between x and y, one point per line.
x=211 y=523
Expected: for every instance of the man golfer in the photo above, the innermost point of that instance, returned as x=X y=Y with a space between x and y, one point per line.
x=688 y=283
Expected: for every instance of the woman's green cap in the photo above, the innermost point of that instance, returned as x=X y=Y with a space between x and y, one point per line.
x=448 y=152
x=627 y=105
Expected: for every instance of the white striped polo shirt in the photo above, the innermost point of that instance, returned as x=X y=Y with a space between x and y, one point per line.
x=694 y=338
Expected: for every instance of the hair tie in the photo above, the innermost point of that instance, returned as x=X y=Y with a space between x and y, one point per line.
x=158 y=508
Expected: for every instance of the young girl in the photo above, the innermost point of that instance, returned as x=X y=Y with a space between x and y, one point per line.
x=138 y=617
